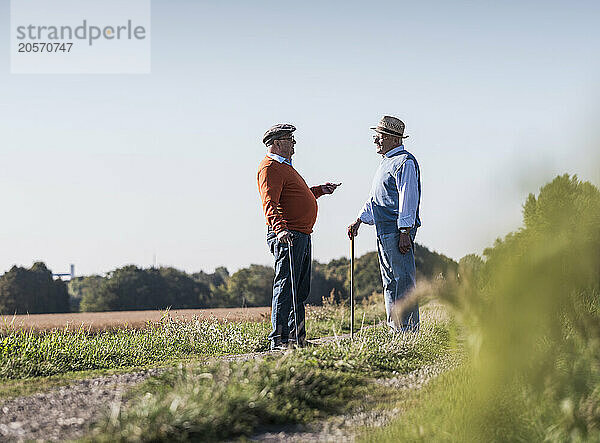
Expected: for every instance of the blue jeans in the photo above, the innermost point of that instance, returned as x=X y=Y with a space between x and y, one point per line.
x=282 y=315
x=398 y=275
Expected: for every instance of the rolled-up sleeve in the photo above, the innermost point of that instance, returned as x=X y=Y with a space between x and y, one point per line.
x=366 y=213
x=408 y=194
x=317 y=191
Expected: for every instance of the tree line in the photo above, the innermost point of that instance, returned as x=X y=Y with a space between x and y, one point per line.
x=132 y=288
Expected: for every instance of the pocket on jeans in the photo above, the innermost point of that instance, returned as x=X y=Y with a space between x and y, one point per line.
x=389 y=240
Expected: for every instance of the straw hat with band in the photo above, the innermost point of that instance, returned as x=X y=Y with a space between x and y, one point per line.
x=391 y=126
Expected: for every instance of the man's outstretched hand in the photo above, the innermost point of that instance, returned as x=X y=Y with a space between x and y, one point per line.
x=353 y=229
x=328 y=188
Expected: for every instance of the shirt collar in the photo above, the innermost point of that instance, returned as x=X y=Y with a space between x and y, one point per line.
x=394 y=151
x=279 y=158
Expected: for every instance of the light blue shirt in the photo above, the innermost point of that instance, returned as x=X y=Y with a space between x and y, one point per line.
x=408 y=194
x=280 y=159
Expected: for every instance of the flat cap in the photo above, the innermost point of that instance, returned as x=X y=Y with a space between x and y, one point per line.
x=276 y=132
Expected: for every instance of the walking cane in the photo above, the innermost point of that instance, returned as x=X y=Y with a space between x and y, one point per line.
x=352 y=288
x=293 y=293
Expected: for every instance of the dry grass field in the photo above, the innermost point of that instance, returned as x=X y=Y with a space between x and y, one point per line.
x=100 y=321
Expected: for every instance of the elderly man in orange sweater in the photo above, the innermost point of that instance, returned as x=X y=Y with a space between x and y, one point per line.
x=290 y=208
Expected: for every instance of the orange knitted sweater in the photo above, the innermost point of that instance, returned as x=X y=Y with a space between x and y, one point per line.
x=288 y=202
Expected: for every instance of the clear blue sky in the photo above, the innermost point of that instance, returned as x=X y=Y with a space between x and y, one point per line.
x=106 y=170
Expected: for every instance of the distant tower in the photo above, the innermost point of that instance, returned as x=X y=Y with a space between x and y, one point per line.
x=71 y=274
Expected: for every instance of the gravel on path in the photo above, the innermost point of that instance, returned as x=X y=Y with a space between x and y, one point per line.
x=65 y=412
x=344 y=428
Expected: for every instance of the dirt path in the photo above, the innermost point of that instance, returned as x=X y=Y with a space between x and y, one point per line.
x=344 y=428
x=66 y=412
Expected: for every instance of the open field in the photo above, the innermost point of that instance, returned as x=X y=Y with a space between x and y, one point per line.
x=26 y=353
x=218 y=398
x=98 y=321
x=515 y=341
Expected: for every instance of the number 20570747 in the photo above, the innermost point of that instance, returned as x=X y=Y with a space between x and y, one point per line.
x=45 y=47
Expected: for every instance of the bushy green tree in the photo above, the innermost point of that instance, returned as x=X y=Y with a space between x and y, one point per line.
x=323 y=285
x=217 y=278
x=32 y=291
x=133 y=288
x=252 y=286
x=217 y=286
x=431 y=264
x=183 y=291
x=334 y=277
x=80 y=286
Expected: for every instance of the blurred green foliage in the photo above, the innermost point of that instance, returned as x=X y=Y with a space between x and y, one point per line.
x=531 y=310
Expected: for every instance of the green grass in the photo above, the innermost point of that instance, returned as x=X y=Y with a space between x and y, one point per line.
x=379 y=352
x=334 y=319
x=463 y=405
x=434 y=413
x=228 y=399
x=207 y=399
x=457 y=407
x=27 y=386
x=221 y=400
x=531 y=316
x=26 y=354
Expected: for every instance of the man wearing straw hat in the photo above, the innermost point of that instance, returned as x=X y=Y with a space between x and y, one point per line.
x=393 y=207
x=290 y=208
